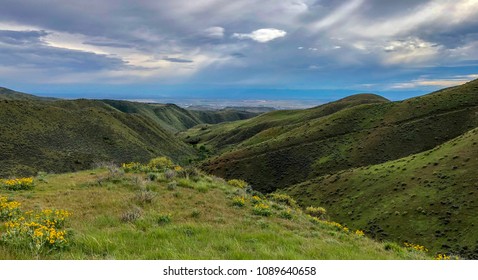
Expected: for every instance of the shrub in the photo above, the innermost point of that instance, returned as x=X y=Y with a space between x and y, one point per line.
x=160 y=163
x=169 y=174
x=185 y=183
x=17 y=184
x=286 y=214
x=145 y=196
x=132 y=167
x=256 y=199
x=41 y=176
x=283 y=198
x=239 y=201
x=9 y=209
x=196 y=213
x=415 y=247
x=390 y=246
x=318 y=212
x=172 y=185
x=131 y=215
x=359 y=232
x=440 y=257
x=163 y=219
x=35 y=231
x=262 y=209
x=238 y=183
x=189 y=173
x=153 y=176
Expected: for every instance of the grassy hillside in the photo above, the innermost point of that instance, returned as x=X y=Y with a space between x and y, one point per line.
x=430 y=198
x=65 y=135
x=282 y=148
x=175 y=118
x=224 y=136
x=44 y=134
x=178 y=214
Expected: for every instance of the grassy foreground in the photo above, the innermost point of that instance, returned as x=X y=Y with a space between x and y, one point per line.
x=183 y=214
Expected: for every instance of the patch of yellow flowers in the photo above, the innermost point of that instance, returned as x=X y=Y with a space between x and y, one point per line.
x=41 y=231
x=256 y=199
x=415 y=247
x=336 y=225
x=239 y=201
x=238 y=183
x=8 y=209
x=131 y=167
x=262 y=209
x=17 y=183
x=441 y=257
x=359 y=232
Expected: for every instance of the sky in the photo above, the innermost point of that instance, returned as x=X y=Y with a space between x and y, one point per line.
x=241 y=49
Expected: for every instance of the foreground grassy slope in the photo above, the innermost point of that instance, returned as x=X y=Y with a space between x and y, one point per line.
x=288 y=147
x=65 y=135
x=430 y=198
x=193 y=218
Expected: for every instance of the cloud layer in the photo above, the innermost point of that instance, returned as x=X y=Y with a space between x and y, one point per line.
x=371 y=45
x=262 y=35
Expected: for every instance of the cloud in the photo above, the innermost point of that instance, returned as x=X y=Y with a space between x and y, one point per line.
x=338 y=15
x=355 y=42
x=177 y=60
x=215 y=32
x=22 y=37
x=261 y=35
x=409 y=51
x=435 y=83
x=109 y=44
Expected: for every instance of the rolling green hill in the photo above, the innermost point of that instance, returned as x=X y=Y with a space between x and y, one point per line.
x=282 y=148
x=430 y=198
x=61 y=136
x=54 y=135
x=172 y=215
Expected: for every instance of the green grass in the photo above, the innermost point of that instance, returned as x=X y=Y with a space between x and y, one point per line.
x=198 y=221
x=428 y=198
